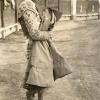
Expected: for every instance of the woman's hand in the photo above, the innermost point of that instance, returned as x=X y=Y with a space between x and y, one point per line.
x=50 y=35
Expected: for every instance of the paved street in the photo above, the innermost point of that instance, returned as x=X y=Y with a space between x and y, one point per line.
x=78 y=41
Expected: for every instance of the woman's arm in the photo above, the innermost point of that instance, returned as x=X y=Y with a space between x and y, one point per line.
x=30 y=19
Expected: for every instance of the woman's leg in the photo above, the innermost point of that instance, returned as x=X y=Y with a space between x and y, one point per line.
x=41 y=91
x=40 y=95
x=30 y=94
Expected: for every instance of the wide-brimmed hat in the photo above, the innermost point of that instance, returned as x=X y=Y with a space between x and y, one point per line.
x=57 y=13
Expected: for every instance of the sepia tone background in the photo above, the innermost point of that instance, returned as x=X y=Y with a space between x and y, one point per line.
x=77 y=37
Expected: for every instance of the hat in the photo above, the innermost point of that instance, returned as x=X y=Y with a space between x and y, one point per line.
x=57 y=13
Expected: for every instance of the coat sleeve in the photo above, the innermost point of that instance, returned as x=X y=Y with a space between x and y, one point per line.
x=31 y=22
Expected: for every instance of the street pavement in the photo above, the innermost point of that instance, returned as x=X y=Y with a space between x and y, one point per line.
x=78 y=41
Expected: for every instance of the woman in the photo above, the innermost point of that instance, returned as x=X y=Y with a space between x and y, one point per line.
x=40 y=73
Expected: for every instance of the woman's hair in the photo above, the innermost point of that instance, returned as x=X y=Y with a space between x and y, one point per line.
x=51 y=26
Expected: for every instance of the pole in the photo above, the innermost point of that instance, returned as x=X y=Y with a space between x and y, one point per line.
x=2 y=14
x=58 y=5
x=45 y=3
x=73 y=9
x=16 y=16
x=99 y=11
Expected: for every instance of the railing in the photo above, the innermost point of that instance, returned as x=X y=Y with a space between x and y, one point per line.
x=8 y=28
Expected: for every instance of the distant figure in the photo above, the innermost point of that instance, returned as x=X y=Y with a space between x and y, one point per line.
x=45 y=64
x=7 y=3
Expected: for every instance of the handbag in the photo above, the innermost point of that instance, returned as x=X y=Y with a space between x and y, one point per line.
x=61 y=66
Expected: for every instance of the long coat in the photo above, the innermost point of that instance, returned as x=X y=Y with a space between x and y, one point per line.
x=43 y=65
